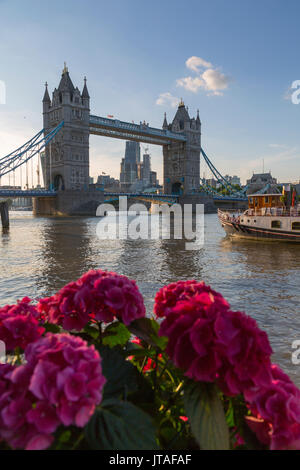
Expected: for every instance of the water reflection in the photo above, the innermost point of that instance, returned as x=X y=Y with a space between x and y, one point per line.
x=65 y=252
x=266 y=255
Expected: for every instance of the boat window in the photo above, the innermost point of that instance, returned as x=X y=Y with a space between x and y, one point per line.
x=266 y=199
x=295 y=225
x=251 y=200
x=276 y=224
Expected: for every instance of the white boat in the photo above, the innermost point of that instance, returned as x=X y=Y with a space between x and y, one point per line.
x=267 y=217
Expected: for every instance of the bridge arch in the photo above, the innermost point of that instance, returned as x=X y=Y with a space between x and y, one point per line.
x=58 y=182
x=176 y=188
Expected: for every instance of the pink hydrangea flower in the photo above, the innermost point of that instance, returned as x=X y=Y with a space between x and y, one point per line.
x=213 y=344
x=98 y=295
x=19 y=324
x=60 y=384
x=276 y=411
x=168 y=296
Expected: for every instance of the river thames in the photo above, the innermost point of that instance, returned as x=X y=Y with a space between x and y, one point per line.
x=40 y=255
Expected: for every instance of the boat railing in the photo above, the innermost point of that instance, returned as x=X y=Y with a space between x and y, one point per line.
x=232 y=215
x=274 y=212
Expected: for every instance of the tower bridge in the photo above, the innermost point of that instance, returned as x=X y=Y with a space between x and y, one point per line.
x=68 y=165
x=67 y=126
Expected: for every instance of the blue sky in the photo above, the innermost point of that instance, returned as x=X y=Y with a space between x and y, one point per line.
x=235 y=60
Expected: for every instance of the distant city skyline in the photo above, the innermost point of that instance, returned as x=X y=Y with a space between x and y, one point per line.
x=235 y=63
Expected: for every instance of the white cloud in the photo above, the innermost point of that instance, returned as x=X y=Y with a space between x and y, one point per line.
x=194 y=63
x=191 y=83
x=167 y=99
x=277 y=146
x=207 y=77
x=215 y=80
x=211 y=79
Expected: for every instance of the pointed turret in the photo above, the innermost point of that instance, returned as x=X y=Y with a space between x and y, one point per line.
x=182 y=114
x=198 y=122
x=85 y=96
x=46 y=105
x=165 y=123
x=85 y=93
x=46 y=98
x=66 y=82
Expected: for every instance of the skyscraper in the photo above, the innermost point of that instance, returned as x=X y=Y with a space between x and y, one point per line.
x=128 y=171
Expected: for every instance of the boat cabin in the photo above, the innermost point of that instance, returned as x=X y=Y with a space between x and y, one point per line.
x=260 y=201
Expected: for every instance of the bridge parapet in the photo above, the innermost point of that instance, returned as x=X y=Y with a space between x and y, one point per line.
x=26 y=193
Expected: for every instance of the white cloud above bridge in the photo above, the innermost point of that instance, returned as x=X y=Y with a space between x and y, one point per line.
x=208 y=77
x=167 y=99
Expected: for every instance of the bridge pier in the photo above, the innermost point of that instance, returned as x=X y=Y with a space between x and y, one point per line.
x=68 y=202
x=4 y=214
x=44 y=205
x=200 y=198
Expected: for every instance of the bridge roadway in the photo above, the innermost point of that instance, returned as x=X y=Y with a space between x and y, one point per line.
x=85 y=203
x=11 y=193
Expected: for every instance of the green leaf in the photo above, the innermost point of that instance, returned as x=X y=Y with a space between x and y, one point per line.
x=120 y=425
x=206 y=414
x=52 y=328
x=116 y=334
x=147 y=330
x=91 y=330
x=121 y=375
x=65 y=436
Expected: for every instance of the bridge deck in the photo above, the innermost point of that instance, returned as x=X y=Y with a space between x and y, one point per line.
x=12 y=193
x=129 y=131
x=26 y=193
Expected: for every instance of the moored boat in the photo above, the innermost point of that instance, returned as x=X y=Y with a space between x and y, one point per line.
x=267 y=217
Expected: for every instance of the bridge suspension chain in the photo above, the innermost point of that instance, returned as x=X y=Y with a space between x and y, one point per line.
x=27 y=151
x=217 y=174
x=233 y=192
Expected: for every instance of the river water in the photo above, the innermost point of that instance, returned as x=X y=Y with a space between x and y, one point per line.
x=39 y=255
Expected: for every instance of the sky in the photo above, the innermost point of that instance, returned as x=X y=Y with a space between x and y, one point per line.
x=233 y=60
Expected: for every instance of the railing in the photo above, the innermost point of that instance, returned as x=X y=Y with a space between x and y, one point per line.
x=274 y=212
x=271 y=212
x=26 y=192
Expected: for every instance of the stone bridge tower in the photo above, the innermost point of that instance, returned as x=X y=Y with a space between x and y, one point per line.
x=182 y=160
x=66 y=161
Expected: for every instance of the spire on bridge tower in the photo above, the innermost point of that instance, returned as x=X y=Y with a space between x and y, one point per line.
x=46 y=98
x=85 y=93
x=181 y=115
x=165 y=123
x=66 y=82
x=198 y=122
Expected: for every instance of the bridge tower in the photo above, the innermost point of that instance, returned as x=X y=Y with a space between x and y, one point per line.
x=66 y=162
x=182 y=160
